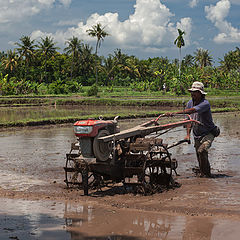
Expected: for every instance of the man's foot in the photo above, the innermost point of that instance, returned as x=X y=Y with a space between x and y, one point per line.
x=196 y=170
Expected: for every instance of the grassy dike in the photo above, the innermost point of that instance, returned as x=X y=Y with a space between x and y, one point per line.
x=218 y=103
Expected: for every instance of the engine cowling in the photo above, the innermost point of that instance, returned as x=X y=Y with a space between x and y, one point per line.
x=88 y=132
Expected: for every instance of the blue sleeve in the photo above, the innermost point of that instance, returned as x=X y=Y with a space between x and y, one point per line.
x=202 y=107
x=189 y=104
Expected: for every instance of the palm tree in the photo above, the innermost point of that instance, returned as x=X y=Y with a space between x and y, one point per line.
x=188 y=60
x=110 y=64
x=132 y=67
x=231 y=61
x=10 y=62
x=86 y=59
x=48 y=49
x=2 y=54
x=179 y=41
x=203 y=58
x=98 y=32
x=26 y=50
x=73 y=49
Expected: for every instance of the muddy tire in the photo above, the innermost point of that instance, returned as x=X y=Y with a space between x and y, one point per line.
x=102 y=150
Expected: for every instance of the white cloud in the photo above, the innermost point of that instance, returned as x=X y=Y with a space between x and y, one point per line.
x=217 y=14
x=149 y=27
x=68 y=23
x=15 y=10
x=193 y=3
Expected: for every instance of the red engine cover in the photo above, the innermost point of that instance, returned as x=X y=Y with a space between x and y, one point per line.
x=96 y=125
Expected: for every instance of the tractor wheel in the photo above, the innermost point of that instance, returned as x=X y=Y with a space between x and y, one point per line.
x=73 y=176
x=157 y=174
x=146 y=186
x=102 y=150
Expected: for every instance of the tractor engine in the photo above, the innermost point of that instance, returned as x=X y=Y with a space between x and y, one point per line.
x=88 y=132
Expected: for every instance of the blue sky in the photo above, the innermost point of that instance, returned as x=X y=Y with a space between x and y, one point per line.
x=144 y=28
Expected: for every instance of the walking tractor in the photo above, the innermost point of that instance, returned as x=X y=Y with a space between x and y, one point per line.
x=137 y=157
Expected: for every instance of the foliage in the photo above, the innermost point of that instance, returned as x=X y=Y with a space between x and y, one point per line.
x=41 y=69
x=93 y=90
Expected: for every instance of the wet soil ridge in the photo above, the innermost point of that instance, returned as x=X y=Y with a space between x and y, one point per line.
x=231 y=102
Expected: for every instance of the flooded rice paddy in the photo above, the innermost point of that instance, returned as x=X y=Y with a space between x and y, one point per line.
x=14 y=114
x=32 y=160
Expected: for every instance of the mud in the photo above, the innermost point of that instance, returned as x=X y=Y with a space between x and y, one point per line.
x=35 y=203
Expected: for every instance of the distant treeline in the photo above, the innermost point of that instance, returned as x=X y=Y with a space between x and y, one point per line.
x=41 y=68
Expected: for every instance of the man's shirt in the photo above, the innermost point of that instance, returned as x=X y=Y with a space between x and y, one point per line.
x=203 y=114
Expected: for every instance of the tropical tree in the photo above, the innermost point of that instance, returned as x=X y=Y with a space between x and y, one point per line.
x=2 y=54
x=179 y=41
x=188 y=60
x=73 y=49
x=47 y=48
x=26 y=49
x=231 y=61
x=203 y=58
x=132 y=67
x=10 y=62
x=98 y=32
x=86 y=59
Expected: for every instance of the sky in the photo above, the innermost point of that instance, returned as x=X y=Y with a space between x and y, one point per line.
x=143 y=28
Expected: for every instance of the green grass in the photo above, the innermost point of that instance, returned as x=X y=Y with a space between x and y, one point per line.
x=225 y=102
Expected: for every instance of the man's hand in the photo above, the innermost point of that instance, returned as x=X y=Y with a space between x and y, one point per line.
x=169 y=114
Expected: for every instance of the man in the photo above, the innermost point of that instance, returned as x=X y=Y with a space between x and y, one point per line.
x=199 y=109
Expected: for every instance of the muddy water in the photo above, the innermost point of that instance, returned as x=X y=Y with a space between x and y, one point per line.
x=63 y=221
x=33 y=158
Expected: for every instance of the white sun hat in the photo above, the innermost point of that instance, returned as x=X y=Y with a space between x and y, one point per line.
x=197 y=86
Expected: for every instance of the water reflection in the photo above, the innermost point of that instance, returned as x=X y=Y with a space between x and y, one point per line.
x=21 y=219
x=118 y=224
x=89 y=222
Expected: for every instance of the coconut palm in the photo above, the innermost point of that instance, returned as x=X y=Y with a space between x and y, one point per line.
x=203 y=58
x=47 y=48
x=86 y=59
x=231 y=61
x=188 y=60
x=26 y=49
x=73 y=49
x=179 y=41
x=110 y=64
x=98 y=32
x=10 y=62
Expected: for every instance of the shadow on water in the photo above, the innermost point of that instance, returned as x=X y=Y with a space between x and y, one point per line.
x=221 y=175
x=23 y=227
x=197 y=173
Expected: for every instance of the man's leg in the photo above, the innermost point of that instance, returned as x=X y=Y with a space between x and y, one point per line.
x=202 y=147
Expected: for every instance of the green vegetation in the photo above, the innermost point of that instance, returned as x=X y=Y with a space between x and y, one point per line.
x=39 y=74
x=42 y=69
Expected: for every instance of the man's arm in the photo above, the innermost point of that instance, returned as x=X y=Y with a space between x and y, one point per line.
x=188 y=126
x=185 y=111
